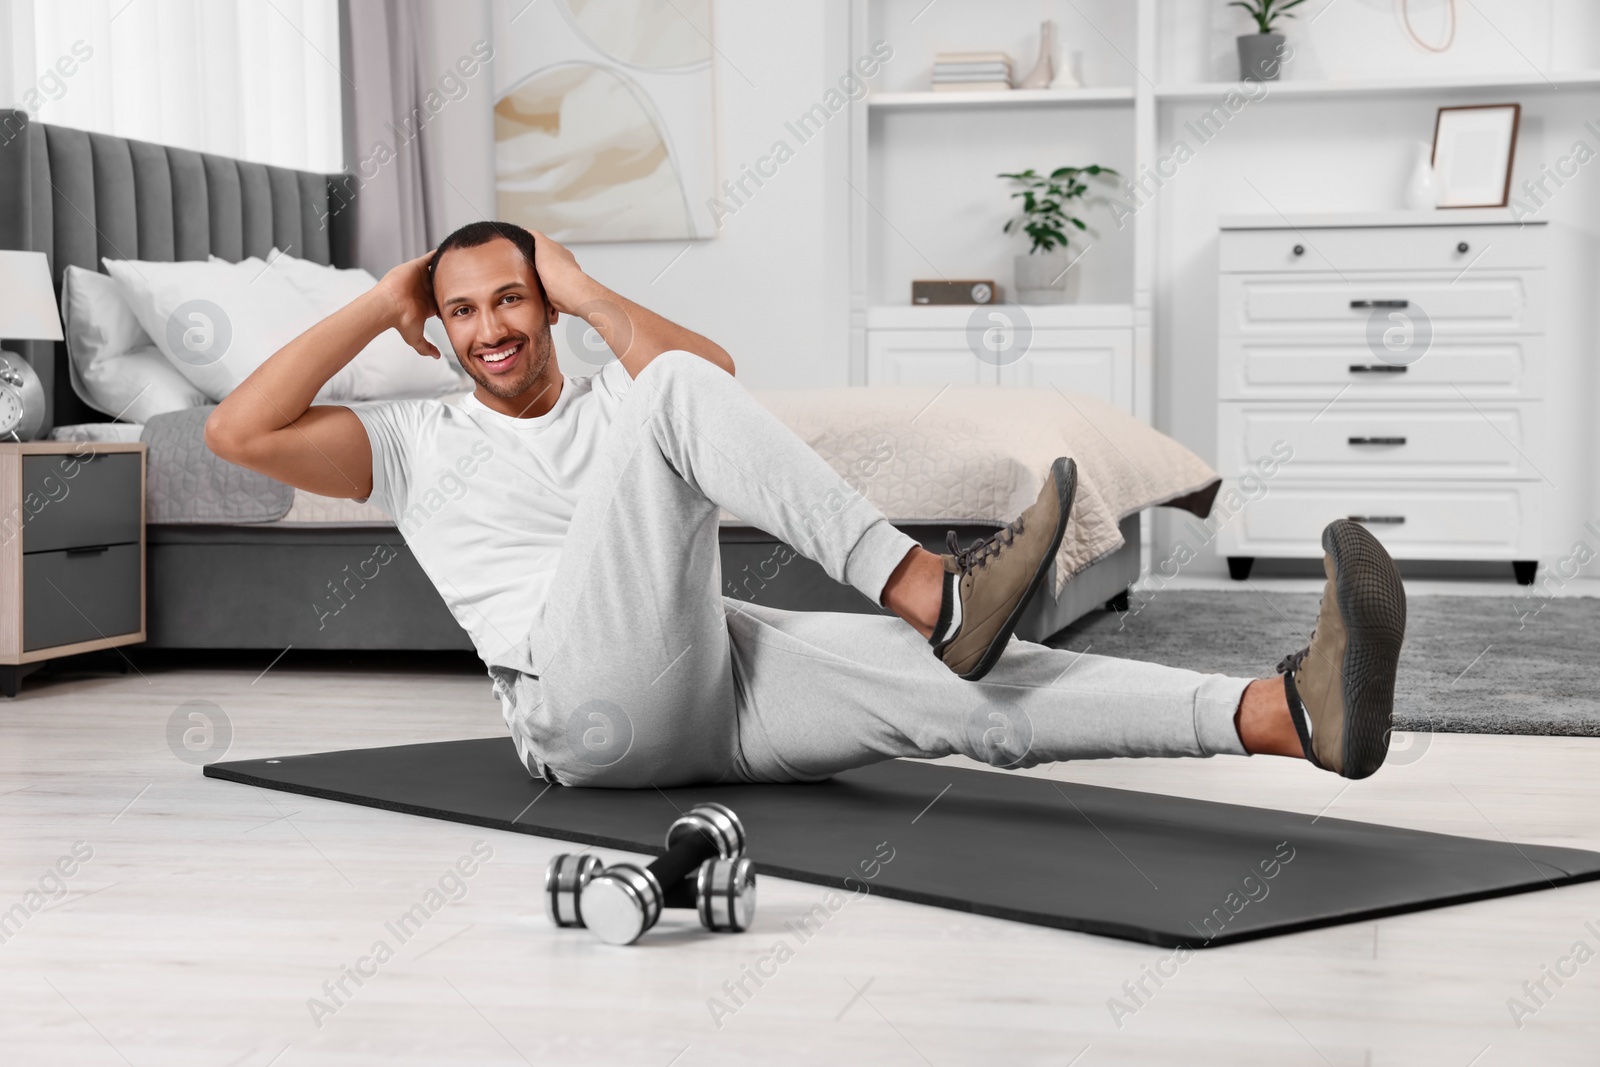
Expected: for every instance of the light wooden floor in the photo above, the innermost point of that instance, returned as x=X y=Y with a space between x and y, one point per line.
x=210 y=913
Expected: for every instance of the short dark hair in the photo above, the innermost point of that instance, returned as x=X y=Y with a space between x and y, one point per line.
x=476 y=234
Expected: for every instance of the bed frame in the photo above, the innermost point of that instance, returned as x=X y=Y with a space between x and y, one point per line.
x=79 y=196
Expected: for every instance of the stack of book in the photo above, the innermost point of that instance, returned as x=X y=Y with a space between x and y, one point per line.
x=971 y=71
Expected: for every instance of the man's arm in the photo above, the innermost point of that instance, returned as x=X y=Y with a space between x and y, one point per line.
x=636 y=334
x=268 y=424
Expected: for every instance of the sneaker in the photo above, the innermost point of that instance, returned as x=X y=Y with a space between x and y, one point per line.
x=997 y=576
x=1341 y=686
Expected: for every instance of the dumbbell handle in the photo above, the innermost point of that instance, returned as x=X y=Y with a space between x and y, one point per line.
x=680 y=894
x=672 y=870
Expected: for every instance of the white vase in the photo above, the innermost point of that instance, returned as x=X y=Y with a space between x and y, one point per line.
x=1044 y=68
x=1069 y=69
x=1044 y=277
x=1422 y=189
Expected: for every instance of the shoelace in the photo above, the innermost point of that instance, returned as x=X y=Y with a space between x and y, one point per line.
x=983 y=549
x=1292 y=661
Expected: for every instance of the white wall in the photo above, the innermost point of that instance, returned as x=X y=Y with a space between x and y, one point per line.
x=1352 y=154
x=771 y=287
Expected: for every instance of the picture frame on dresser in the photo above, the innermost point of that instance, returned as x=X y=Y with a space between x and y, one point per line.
x=72 y=552
x=1474 y=146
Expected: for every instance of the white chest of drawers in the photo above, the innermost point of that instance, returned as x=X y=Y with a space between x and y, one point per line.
x=1402 y=362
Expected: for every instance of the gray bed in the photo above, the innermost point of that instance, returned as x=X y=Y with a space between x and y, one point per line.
x=79 y=196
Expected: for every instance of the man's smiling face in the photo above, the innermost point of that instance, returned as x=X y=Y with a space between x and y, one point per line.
x=495 y=312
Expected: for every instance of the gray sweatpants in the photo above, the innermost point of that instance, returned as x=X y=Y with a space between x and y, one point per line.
x=648 y=675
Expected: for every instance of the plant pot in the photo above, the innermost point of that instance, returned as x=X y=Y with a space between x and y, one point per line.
x=1260 y=56
x=1043 y=277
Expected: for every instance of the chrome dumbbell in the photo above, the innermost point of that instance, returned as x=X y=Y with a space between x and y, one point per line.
x=564 y=880
x=704 y=869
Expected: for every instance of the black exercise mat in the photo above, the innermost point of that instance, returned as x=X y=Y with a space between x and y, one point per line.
x=1158 y=869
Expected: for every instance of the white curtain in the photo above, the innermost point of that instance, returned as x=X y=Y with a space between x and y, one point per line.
x=255 y=79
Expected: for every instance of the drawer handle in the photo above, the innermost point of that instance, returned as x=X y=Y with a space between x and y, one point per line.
x=1377 y=440
x=1377 y=368
x=88 y=550
x=1358 y=305
x=1463 y=248
x=1299 y=250
x=1378 y=520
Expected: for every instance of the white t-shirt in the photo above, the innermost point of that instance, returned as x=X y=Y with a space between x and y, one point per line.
x=484 y=500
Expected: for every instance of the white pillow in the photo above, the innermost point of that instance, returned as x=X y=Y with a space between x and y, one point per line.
x=388 y=368
x=215 y=322
x=115 y=368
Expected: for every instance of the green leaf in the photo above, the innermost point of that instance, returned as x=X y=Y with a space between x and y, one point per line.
x=1042 y=215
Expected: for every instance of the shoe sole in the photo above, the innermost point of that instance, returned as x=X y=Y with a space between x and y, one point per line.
x=1372 y=603
x=1066 y=476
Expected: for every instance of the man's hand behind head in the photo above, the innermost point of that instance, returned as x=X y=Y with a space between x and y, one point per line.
x=565 y=285
x=409 y=292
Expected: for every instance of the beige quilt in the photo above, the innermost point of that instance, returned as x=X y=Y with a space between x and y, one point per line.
x=975 y=453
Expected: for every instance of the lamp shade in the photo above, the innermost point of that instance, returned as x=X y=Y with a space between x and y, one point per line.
x=28 y=309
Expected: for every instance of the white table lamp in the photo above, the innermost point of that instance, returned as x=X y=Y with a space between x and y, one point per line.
x=28 y=312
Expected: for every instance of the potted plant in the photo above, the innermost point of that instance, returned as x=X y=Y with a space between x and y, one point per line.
x=1260 y=53
x=1041 y=275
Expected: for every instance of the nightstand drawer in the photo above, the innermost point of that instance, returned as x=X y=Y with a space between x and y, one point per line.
x=86 y=500
x=80 y=595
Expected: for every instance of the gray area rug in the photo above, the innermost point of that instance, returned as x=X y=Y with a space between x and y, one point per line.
x=1492 y=665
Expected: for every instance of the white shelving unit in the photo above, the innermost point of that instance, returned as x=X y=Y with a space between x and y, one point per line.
x=901 y=130
x=1014 y=98
x=1386 y=86
x=1328 y=146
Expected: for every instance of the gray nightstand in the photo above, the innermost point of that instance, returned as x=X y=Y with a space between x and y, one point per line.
x=71 y=552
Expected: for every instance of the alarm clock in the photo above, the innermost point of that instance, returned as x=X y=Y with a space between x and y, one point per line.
x=948 y=292
x=21 y=398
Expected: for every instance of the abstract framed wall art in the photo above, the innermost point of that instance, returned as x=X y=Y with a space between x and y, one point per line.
x=604 y=121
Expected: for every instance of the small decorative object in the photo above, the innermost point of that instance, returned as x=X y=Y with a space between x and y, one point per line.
x=1260 y=53
x=1043 y=71
x=942 y=292
x=1473 y=147
x=1449 y=35
x=28 y=312
x=1422 y=189
x=966 y=72
x=1043 y=275
x=1069 y=69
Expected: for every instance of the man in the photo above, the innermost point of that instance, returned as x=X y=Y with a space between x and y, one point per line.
x=571 y=526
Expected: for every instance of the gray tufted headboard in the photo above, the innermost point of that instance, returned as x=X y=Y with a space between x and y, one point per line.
x=78 y=196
